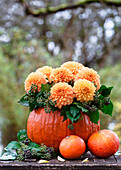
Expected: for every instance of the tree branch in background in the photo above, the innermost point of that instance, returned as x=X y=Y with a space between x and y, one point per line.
x=62 y=7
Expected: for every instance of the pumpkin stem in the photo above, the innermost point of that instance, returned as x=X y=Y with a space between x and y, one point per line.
x=70 y=126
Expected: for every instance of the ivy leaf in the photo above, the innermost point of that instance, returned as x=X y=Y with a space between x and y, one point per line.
x=64 y=116
x=101 y=97
x=33 y=145
x=77 y=117
x=53 y=108
x=94 y=117
x=80 y=106
x=70 y=116
x=31 y=106
x=105 y=91
x=74 y=110
x=39 y=94
x=24 y=102
x=22 y=135
x=82 y=109
x=13 y=145
x=9 y=154
x=45 y=87
x=37 y=150
x=65 y=108
x=108 y=109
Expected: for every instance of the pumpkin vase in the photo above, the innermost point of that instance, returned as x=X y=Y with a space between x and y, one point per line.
x=49 y=129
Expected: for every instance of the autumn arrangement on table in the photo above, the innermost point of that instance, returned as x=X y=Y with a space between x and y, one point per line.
x=70 y=95
x=64 y=104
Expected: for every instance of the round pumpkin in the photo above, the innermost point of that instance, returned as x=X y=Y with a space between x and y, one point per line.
x=49 y=129
x=103 y=143
x=72 y=147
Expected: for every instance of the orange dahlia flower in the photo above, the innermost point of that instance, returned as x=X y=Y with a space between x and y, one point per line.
x=89 y=74
x=46 y=70
x=73 y=66
x=61 y=75
x=36 y=78
x=84 y=90
x=62 y=94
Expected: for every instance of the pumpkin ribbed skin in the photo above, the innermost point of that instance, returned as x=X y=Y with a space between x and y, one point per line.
x=104 y=143
x=49 y=129
x=72 y=147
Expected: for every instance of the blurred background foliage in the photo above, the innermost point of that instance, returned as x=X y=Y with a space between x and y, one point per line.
x=90 y=34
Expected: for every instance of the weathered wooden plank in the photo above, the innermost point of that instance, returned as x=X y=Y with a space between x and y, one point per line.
x=111 y=160
x=118 y=159
x=112 y=163
x=60 y=166
x=99 y=160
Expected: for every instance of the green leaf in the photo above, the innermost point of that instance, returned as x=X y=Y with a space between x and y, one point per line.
x=102 y=88
x=39 y=94
x=31 y=106
x=105 y=91
x=34 y=145
x=77 y=117
x=101 y=97
x=53 y=108
x=45 y=87
x=69 y=115
x=65 y=108
x=8 y=155
x=80 y=106
x=64 y=116
x=74 y=110
x=94 y=117
x=82 y=109
x=108 y=109
x=13 y=145
x=36 y=149
x=22 y=135
x=63 y=112
x=24 y=102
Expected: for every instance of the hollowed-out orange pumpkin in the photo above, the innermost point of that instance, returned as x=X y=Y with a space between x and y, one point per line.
x=49 y=129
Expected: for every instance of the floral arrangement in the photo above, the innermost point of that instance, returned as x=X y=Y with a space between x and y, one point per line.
x=70 y=88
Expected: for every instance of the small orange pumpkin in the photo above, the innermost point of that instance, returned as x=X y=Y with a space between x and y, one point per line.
x=103 y=143
x=49 y=129
x=72 y=147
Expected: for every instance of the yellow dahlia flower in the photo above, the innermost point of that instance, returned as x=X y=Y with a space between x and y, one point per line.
x=46 y=70
x=62 y=94
x=73 y=66
x=84 y=90
x=61 y=75
x=36 y=78
x=89 y=74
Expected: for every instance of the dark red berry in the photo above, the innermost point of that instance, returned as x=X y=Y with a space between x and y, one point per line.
x=106 y=103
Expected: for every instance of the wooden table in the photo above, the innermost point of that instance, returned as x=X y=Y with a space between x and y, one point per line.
x=112 y=163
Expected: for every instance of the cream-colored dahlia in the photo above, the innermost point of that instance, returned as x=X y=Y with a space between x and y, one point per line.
x=73 y=66
x=36 y=78
x=62 y=94
x=46 y=70
x=61 y=75
x=89 y=74
x=84 y=90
